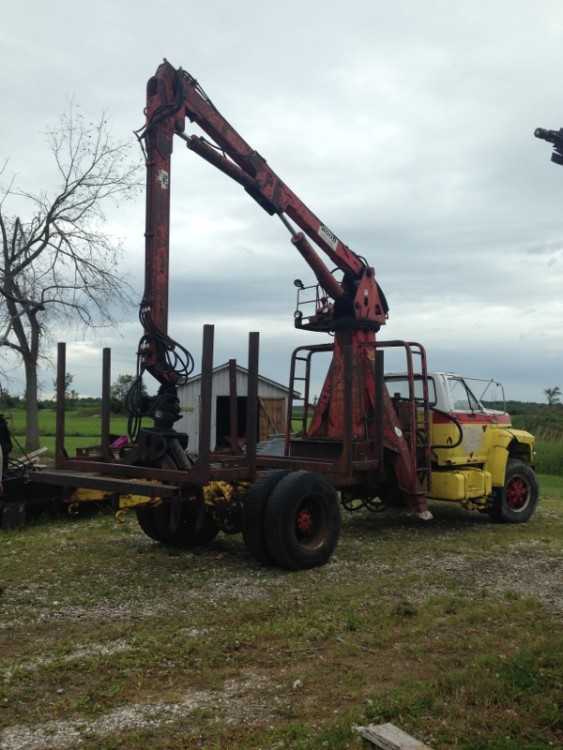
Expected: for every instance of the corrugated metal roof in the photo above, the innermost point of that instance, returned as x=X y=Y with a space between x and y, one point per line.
x=225 y=366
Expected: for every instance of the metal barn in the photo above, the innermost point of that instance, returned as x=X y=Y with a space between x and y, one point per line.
x=272 y=403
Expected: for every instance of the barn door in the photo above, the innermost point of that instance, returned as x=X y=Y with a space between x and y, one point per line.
x=272 y=417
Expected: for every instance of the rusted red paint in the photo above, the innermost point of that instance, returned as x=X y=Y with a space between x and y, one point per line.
x=358 y=309
x=328 y=419
x=472 y=418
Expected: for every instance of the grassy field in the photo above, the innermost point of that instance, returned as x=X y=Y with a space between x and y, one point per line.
x=82 y=428
x=81 y=422
x=550 y=456
x=451 y=630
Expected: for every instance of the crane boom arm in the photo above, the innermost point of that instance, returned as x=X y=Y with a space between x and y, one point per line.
x=174 y=95
x=264 y=184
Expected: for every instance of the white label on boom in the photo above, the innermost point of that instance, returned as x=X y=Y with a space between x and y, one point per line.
x=162 y=177
x=326 y=235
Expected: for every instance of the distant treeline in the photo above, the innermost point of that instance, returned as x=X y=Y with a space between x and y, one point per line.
x=7 y=401
x=543 y=420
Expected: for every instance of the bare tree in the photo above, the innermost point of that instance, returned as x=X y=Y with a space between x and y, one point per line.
x=58 y=263
x=553 y=395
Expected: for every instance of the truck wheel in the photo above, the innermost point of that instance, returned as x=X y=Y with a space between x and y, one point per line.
x=147 y=522
x=178 y=523
x=517 y=500
x=302 y=521
x=254 y=510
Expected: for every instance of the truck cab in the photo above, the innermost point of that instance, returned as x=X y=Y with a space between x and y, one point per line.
x=478 y=458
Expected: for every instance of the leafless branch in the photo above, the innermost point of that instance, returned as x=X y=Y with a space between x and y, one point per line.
x=57 y=262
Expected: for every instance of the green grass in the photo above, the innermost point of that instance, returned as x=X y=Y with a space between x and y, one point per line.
x=71 y=444
x=451 y=630
x=549 y=456
x=551 y=486
x=82 y=428
x=76 y=423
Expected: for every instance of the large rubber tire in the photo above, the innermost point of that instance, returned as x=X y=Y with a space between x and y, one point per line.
x=517 y=500
x=178 y=523
x=302 y=521
x=254 y=513
x=147 y=521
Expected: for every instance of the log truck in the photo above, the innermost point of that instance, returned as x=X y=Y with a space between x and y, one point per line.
x=371 y=440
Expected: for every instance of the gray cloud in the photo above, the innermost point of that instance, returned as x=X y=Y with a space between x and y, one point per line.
x=406 y=127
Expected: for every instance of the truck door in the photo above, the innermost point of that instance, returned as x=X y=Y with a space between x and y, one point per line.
x=466 y=408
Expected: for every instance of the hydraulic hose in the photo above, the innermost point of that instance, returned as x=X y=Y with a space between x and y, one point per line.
x=456 y=423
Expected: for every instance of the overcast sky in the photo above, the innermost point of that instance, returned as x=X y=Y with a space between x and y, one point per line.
x=406 y=126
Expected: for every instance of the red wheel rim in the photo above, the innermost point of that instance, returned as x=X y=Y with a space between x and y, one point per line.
x=311 y=522
x=517 y=494
x=305 y=522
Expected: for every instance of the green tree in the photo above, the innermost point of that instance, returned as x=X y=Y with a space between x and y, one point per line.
x=119 y=391
x=553 y=395
x=8 y=401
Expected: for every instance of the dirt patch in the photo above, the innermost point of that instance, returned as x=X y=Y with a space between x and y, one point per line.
x=244 y=702
x=523 y=570
x=37 y=604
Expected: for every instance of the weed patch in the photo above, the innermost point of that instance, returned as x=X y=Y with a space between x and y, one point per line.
x=451 y=630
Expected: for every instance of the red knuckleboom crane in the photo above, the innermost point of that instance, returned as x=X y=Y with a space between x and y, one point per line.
x=353 y=307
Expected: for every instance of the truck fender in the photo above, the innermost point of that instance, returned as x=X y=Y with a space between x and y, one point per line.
x=517 y=443
x=496 y=464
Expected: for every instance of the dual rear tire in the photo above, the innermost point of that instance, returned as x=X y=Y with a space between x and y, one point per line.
x=178 y=523
x=181 y=522
x=292 y=519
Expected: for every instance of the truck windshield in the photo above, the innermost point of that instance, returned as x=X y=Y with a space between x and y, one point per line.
x=398 y=387
x=461 y=397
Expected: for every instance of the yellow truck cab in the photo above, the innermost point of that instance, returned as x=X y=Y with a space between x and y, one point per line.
x=477 y=458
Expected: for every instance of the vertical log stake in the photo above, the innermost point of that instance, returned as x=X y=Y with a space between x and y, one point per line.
x=252 y=402
x=205 y=403
x=233 y=409
x=106 y=402
x=60 y=454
